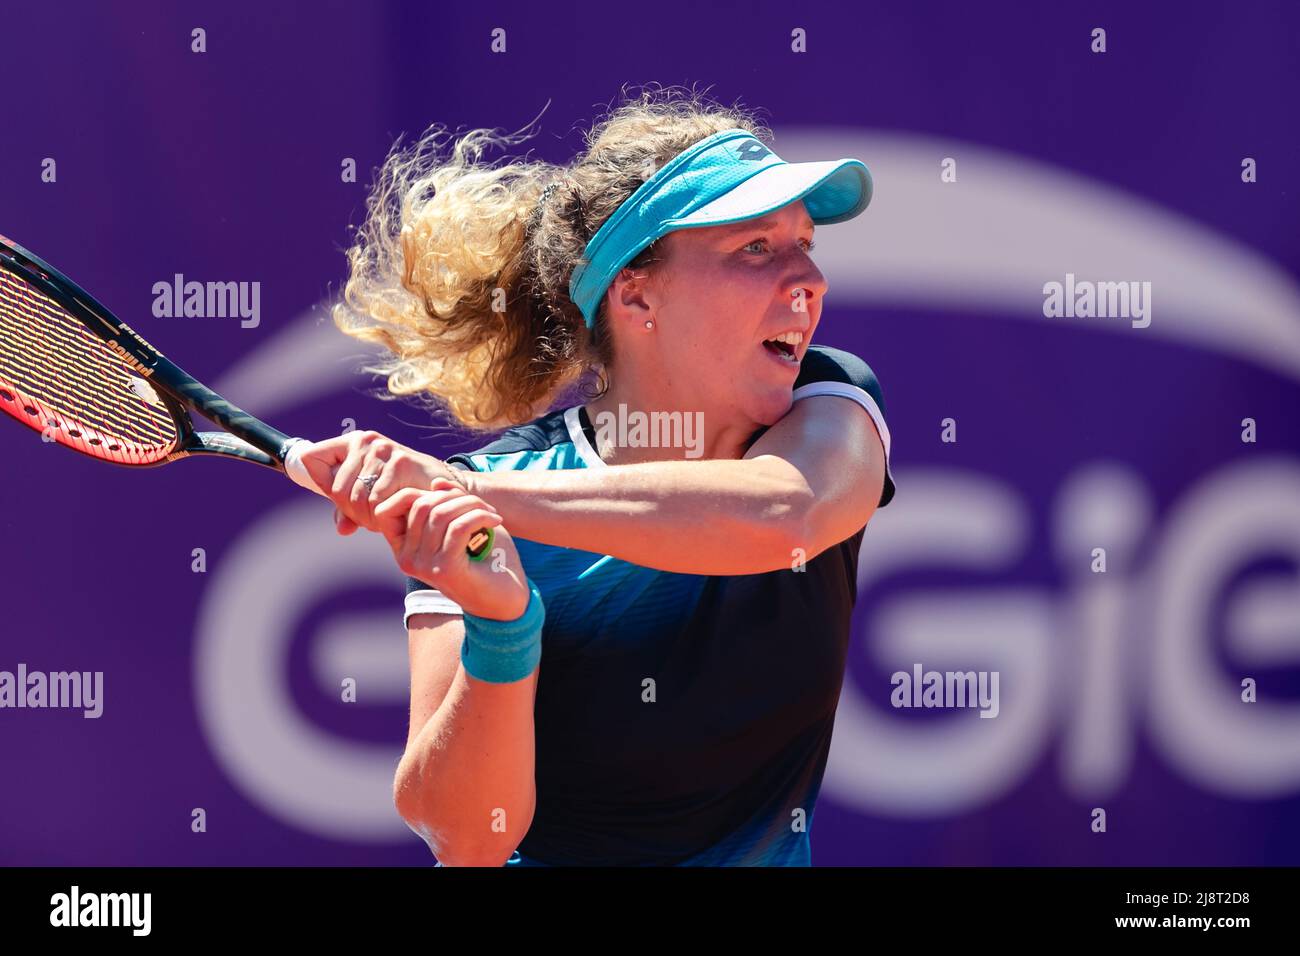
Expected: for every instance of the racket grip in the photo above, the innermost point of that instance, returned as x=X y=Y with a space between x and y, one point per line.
x=295 y=469
x=480 y=542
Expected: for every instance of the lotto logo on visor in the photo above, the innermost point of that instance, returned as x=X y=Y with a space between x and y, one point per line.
x=751 y=150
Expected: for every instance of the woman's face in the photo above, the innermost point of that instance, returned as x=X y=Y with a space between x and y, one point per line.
x=720 y=299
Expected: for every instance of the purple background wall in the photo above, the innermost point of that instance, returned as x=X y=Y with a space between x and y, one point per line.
x=1118 y=690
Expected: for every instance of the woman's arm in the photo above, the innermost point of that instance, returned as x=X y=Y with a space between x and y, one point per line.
x=466 y=781
x=812 y=480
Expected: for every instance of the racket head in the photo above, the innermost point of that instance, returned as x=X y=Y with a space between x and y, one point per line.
x=65 y=372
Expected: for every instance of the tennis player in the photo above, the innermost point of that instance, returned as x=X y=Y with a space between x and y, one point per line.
x=646 y=670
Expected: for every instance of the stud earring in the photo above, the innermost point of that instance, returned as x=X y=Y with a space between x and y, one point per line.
x=649 y=324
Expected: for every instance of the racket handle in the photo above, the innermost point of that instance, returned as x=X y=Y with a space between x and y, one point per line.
x=480 y=542
x=295 y=469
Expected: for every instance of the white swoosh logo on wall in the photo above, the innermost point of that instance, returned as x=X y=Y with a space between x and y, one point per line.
x=309 y=359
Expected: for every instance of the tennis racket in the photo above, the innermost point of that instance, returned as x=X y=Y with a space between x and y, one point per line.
x=72 y=371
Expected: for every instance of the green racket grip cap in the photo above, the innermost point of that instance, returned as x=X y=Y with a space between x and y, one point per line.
x=486 y=547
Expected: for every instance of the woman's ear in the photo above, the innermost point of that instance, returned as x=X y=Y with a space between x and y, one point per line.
x=628 y=296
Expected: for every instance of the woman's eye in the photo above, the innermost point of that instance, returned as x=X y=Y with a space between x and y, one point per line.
x=808 y=245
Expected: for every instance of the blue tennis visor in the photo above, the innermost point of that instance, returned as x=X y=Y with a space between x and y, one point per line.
x=727 y=177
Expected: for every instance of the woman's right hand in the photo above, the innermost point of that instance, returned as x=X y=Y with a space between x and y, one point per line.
x=428 y=533
x=337 y=465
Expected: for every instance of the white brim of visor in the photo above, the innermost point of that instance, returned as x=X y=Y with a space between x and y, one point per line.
x=832 y=191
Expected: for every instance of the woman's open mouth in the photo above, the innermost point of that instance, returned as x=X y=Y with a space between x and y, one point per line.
x=782 y=351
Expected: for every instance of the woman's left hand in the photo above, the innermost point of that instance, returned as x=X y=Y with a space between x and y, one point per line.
x=338 y=464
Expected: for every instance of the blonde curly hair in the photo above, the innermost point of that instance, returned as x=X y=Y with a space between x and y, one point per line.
x=463 y=277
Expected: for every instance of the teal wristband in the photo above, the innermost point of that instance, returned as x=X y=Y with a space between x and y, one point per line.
x=502 y=652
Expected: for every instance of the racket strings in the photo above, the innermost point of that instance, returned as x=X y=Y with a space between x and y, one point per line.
x=56 y=360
